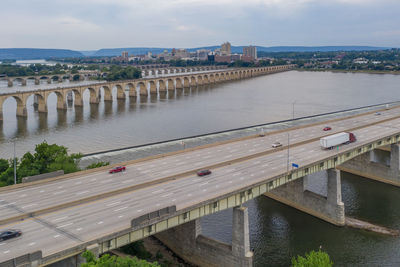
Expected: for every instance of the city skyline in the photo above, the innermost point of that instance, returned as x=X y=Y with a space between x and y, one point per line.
x=96 y=24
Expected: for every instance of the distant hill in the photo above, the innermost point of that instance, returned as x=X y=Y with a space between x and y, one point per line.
x=36 y=53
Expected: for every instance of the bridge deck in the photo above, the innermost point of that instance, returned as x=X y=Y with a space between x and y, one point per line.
x=237 y=166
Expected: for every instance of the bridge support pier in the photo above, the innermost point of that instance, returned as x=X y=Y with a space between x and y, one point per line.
x=318 y=194
x=380 y=165
x=187 y=242
x=21 y=110
x=37 y=81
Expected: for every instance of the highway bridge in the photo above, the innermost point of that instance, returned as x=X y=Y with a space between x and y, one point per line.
x=142 y=87
x=163 y=196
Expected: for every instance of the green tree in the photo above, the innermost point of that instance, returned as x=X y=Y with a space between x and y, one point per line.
x=313 y=259
x=114 y=261
x=97 y=165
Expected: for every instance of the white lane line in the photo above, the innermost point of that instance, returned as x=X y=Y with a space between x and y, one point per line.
x=228 y=156
x=157 y=191
x=60 y=187
x=236 y=174
x=242 y=178
x=5 y=205
x=120 y=216
x=78 y=182
x=121 y=208
x=59 y=219
x=189 y=195
x=173 y=200
x=204 y=190
x=167 y=195
x=203 y=184
x=100 y=222
x=29 y=205
x=23 y=195
x=139 y=210
x=94 y=179
x=5 y=252
x=59 y=192
x=31 y=244
x=217 y=186
x=64 y=225
x=113 y=204
x=2 y=244
x=42 y=191
x=256 y=162
x=56 y=236
x=83 y=192
x=78 y=229
x=230 y=182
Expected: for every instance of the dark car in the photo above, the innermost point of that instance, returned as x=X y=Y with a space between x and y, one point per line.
x=203 y=172
x=10 y=233
x=117 y=169
x=327 y=128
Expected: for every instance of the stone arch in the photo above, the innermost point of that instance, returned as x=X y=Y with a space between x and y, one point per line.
x=193 y=81
x=35 y=80
x=205 y=79
x=78 y=99
x=211 y=78
x=222 y=77
x=132 y=89
x=61 y=104
x=120 y=91
x=41 y=102
x=153 y=87
x=171 y=85
x=217 y=77
x=162 y=85
x=199 y=80
x=142 y=89
x=186 y=82
x=179 y=84
x=107 y=93
x=94 y=95
x=22 y=81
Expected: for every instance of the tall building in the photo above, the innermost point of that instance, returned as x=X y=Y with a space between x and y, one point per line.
x=125 y=54
x=226 y=49
x=250 y=51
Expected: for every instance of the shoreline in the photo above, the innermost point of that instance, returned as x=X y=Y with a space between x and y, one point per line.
x=351 y=71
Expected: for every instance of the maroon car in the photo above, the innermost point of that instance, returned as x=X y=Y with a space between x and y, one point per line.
x=327 y=128
x=117 y=169
x=203 y=172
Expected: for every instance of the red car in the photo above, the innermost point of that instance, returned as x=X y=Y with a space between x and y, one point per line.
x=327 y=128
x=203 y=172
x=117 y=169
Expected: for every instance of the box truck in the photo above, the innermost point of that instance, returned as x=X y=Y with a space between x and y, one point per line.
x=329 y=142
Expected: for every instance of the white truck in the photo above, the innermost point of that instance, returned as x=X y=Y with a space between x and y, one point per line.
x=329 y=142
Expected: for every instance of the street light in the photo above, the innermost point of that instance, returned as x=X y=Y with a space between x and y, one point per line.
x=15 y=164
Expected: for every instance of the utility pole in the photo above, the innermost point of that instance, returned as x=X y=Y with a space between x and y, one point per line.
x=15 y=165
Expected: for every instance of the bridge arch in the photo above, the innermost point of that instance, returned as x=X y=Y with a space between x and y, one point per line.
x=162 y=86
x=178 y=84
x=153 y=87
x=93 y=94
x=142 y=89
x=19 y=80
x=61 y=104
x=132 y=89
x=120 y=91
x=171 y=84
x=193 y=81
x=186 y=82
x=40 y=101
x=107 y=93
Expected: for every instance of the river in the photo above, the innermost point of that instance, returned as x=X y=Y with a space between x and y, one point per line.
x=278 y=232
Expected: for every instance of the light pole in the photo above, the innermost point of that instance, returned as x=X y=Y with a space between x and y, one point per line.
x=15 y=165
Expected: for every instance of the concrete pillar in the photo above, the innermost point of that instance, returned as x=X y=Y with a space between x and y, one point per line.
x=379 y=165
x=318 y=194
x=162 y=86
x=23 y=82
x=10 y=83
x=153 y=88
x=187 y=242
x=49 y=80
x=37 y=81
x=78 y=100
x=120 y=93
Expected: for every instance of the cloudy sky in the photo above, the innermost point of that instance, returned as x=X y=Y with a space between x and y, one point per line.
x=95 y=24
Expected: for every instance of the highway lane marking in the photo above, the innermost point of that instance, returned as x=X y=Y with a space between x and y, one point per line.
x=100 y=222
x=64 y=225
x=78 y=229
x=59 y=192
x=59 y=219
x=23 y=195
x=42 y=191
x=203 y=184
x=2 y=244
x=167 y=195
x=29 y=205
x=56 y=236
x=173 y=200
x=204 y=190
x=121 y=208
x=5 y=205
x=120 y=216
x=236 y=174
x=5 y=252
x=157 y=191
x=83 y=192
x=78 y=182
x=31 y=244
x=113 y=204
x=189 y=195
x=60 y=187
x=139 y=210
x=94 y=179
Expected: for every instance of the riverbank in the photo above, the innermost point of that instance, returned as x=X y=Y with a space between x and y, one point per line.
x=358 y=224
x=352 y=71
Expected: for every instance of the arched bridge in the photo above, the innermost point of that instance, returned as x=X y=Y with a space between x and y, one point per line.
x=137 y=87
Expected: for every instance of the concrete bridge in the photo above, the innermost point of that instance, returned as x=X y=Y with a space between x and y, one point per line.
x=162 y=196
x=170 y=70
x=49 y=78
x=141 y=87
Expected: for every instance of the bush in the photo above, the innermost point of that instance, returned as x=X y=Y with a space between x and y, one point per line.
x=97 y=165
x=313 y=259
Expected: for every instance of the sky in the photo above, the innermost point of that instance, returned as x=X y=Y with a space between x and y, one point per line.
x=94 y=24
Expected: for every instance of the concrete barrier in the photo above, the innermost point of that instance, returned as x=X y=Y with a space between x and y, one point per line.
x=29 y=179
